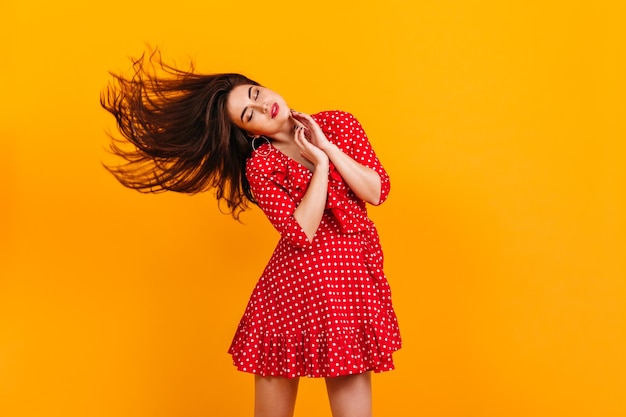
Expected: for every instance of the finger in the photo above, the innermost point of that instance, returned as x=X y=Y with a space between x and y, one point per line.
x=308 y=122
x=296 y=113
x=300 y=139
x=298 y=130
x=304 y=147
x=304 y=131
x=301 y=117
x=298 y=124
x=308 y=127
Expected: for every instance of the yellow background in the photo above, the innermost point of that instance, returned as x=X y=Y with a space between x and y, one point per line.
x=501 y=124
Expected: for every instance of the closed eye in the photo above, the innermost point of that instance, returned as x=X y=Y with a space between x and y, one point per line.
x=256 y=96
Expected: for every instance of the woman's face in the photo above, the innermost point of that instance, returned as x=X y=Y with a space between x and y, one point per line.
x=258 y=110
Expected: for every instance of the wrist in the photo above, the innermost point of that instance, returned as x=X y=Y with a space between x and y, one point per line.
x=322 y=166
x=329 y=147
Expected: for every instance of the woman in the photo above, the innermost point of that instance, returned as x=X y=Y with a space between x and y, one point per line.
x=322 y=307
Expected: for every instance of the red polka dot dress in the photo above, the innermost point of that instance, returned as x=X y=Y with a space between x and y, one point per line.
x=320 y=308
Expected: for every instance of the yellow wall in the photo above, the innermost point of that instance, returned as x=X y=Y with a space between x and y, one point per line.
x=500 y=122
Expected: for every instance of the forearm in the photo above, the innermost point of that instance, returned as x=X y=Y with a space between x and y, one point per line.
x=309 y=212
x=362 y=180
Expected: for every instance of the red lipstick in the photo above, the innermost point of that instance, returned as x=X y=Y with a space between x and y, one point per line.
x=274 y=111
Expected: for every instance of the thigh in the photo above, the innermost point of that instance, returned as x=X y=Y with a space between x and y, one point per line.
x=350 y=395
x=274 y=396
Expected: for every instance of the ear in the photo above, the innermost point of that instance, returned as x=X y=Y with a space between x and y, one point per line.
x=251 y=136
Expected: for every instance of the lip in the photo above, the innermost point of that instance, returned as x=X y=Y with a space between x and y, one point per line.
x=275 y=109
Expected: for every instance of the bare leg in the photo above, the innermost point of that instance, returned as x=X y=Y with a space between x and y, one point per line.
x=350 y=395
x=274 y=396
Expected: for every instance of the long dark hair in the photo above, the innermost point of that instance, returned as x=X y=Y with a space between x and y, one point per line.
x=180 y=134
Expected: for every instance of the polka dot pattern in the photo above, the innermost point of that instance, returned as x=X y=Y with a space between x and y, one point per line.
x=320 y=308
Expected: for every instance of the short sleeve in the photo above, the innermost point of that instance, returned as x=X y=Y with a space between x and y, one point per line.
x=360 y=149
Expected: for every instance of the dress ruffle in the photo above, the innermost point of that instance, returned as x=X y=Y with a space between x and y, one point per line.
x=334 y=352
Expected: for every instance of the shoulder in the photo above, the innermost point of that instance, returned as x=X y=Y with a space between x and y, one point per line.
x=262 y=161
x=337 y=122
x=333 y=118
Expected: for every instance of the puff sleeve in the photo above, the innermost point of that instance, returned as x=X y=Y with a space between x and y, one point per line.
x=271 y=190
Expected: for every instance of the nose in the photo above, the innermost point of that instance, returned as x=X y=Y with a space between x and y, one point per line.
x=261 y=107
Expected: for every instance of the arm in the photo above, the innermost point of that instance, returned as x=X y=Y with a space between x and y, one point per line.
x=311 y=209
x=361 y=169
x=362 y=180
x=296 y=222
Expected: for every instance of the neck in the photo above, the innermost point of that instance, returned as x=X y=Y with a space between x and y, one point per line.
x=286 y=135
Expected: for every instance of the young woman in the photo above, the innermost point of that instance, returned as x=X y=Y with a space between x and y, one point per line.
x=322 y=307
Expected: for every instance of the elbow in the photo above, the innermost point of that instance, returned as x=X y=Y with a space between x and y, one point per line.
x=376 y=201
x=380 y=196
x=383 y=189
x=377 y=196
x=379 y=191
x=373 y=197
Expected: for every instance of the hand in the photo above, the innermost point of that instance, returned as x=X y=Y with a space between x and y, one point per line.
x=308 y=150
x=313 y=132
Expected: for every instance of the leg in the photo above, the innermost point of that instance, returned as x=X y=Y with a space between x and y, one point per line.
x=274 y=396
x=350 y=395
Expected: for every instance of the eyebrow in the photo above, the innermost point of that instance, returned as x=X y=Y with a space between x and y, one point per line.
x=246 y=108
